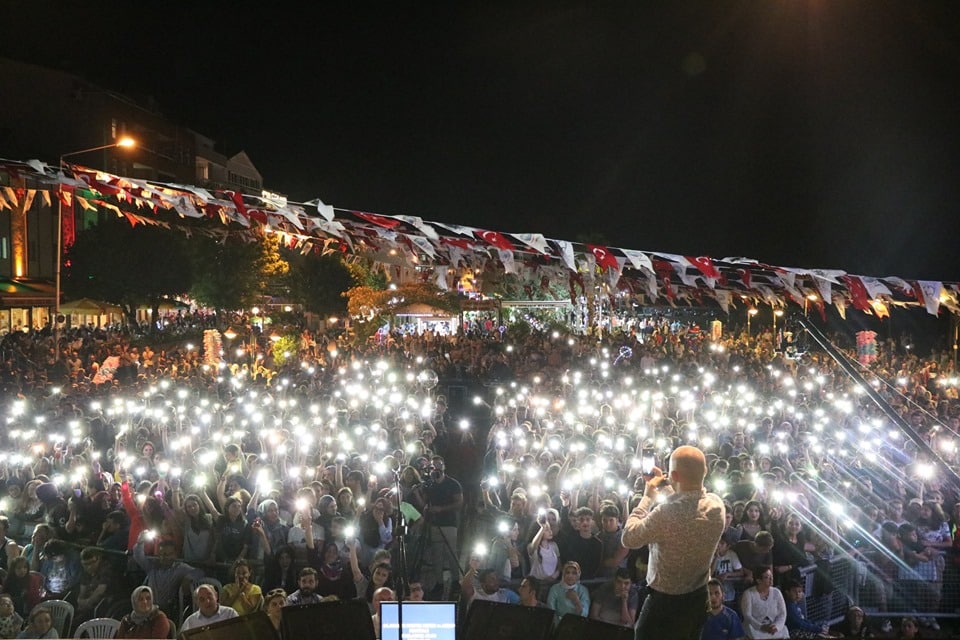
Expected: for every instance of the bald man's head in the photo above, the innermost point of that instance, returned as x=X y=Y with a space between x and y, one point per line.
x=688 y=466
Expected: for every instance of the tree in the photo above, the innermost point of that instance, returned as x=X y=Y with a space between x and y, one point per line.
x=318 y=282
x=126 y=265
x=233 y=274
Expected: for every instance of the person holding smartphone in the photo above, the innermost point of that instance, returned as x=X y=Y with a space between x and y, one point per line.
x=682 y=524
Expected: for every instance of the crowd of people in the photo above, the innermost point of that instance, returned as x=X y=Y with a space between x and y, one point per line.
x=175 y=493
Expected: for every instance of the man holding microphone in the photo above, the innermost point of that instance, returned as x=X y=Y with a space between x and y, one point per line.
x=682 y=527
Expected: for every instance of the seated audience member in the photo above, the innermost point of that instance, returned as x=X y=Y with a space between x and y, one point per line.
x=208 y=609
x=307 y=593
x=10 y=620
x=529 y=592
x=23 y=587
x=60 y=566
x=96 y=583
x=273 y=604
x=380 y=595
x=614 y=601
x=722 y=622
x=854 y=625
x=797 y=622
x=763 y=608
x=165 y=574
x=242 y=595
x=484 y=585
x=146 y=620
x=569 y=596
x=40 y=625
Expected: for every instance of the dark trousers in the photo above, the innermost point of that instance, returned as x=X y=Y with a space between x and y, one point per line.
x=677 y=617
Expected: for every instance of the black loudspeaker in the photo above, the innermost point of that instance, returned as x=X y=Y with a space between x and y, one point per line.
x=256 y=626
x=328 y=621
x=498 y=621
x=578 y=627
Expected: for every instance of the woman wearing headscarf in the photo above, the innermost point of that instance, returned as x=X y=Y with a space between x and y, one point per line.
x=146 y=620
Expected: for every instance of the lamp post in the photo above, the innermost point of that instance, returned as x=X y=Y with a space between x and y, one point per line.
x=752 y=311
x=810 y=297
x=125 y=143
x=776 y=314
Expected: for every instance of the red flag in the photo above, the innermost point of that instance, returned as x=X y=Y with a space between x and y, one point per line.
x=605 y=259
x=496 y=239
x=380 y=221
x=818 y=303
x=858 y=293
x=705 y=265
x=463 y=243
x=238 y=202
x=745 y=277
x=668 y=287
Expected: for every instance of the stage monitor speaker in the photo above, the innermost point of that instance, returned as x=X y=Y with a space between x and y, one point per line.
x=328 y=621
x=256 y=626
x=577 y=627
x=498 y=621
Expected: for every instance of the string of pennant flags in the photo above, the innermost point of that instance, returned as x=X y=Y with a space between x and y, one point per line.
x=442 y=251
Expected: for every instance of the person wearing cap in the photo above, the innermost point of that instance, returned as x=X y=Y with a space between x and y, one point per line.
x=682 y=530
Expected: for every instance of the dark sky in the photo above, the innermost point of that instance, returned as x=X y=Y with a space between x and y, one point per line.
x=815 y=133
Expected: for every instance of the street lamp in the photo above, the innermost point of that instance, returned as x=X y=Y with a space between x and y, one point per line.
x=125 y=142
x=776 y=314
x=752 y=311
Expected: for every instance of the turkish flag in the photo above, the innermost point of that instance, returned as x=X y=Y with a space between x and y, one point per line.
x=496 y=239
x=858 y=293
x=462 y=243
x=745 y=277
x=380 y=221
x=705 y=265
x=605 y=259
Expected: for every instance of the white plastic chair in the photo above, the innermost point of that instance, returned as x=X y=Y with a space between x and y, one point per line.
x=98 y=628
x=62 y=613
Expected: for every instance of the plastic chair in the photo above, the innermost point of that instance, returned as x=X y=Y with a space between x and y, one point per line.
x=62 y=613
x=98 y=628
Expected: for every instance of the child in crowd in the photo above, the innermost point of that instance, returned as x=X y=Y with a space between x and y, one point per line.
x=10 y=620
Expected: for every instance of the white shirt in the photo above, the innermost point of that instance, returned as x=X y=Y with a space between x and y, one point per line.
x=197 y=619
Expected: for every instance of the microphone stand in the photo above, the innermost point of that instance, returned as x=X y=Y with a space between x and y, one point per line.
x=400 y=536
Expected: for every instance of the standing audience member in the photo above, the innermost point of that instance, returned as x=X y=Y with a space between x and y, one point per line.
x=443 y=497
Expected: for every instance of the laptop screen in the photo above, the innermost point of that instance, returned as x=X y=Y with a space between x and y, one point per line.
x=434 y=620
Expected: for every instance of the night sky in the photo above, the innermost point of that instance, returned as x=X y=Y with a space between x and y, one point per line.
x=814 y=133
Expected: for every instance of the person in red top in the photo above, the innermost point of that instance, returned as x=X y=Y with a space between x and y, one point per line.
x=146 y=620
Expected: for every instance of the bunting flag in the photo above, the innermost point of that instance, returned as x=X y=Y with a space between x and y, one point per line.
x=638 y=259
x=495 y=239
x=419 y=225
x=380 y=221
x=858 y=293
x=506 y=257
x=535 y=241
x=879 y=308
x=724 y=298
x=705 y=266
x=841 y=306
x=874 y=287
x=928 y=292
x=311 y=225
x=566 y=254
x=605 y=259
